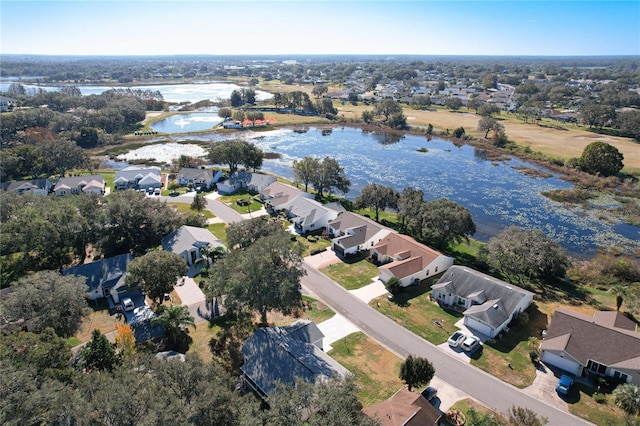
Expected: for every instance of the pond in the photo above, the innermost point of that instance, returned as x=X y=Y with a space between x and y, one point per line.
x=191 y=122
x=496 y=193
x=187 y=92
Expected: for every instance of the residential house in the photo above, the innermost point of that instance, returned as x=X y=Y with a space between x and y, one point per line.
x=404 y=408
x=309 y=215
x=605 y=344
x=104 y=277
x=489 y=305
x=93 y=184
x=251 y=181
x=188 y=241
x=197 y=177
x=277 y=194
x=352 y=233
x=407 y=260
x=34 y=186
x=6 y=103
x=138 y=178
x=282 y=354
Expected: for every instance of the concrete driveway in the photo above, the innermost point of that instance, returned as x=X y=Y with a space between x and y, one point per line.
x=544 y=387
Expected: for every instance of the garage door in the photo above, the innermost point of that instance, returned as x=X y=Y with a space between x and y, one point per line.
x=563 y=363
x=477 y=326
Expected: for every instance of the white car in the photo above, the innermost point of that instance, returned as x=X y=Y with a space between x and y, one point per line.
x=470 y=344
x=127 y=304
x=456 y=338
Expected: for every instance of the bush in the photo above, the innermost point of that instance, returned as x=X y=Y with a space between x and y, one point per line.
x=523 y=318
x=312 y=239
x=600 y=398
x=318 y=250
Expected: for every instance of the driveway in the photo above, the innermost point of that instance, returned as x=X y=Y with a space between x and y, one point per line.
x=544 y=387
x=221 y=210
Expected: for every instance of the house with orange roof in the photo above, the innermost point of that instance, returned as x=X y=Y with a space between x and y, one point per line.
x=408 y=260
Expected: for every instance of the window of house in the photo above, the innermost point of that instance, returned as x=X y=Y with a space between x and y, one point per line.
x=620 y=376
x=596 y=367
x=436 y=269
x=461 y=300
x=441 y=296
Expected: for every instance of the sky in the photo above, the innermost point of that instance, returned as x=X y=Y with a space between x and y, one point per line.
x=479 y=27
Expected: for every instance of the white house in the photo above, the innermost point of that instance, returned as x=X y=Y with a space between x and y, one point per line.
x=309 y=215
x=251 y=181
x=407 y=260
x=6 y=103
x=138 y=178
x=352 y=233
x=606 y=344
x=188 y=241
x=489 y=305
x=278 y=194
x=93 y=184
x=104 y=277
x=34 y=186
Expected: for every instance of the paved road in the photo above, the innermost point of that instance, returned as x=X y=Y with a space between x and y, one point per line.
x=471 y=380
x=221 y=210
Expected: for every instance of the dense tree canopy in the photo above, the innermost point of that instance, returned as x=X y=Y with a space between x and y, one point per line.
x=601 y=158
x=330 y=176
x=304 y=170
x=48 y=299
x=416 y=371
x=99 y=354
x=234 y=153
x=378 y=197
x=156 y=273
x=444 y=222
x=245 y=233
x=517 y=253
x=175 y=320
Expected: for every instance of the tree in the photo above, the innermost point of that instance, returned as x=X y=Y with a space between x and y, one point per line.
x=368 y=116
x=520 y=416
x=235 y=152
x=620 y=291
x=378 y=197
x=487 y=124
x=236 y=98
x=225 y=113
x=248 y=96
x=199 y=203
x=329 y=176
x=238 y=115
x=175 y=319
x=155 y=273
x=487 y=110
x=319 y=90
x=629 y=122
x=409 y=207
x=262 y=277
x=252 y=157
x=602 y=159
x=518 y=253
x=60 y=155
x=444 y=222
x=48 y=299
x=99 y=354
x=387 y=107
x=304 y=170
x=416 y=371
x=453 y=103
x=125 y=340
x=627 y=397
x=243 y=234
x=254 y=116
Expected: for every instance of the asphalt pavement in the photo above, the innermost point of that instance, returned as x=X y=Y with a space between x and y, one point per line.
x=470 y=380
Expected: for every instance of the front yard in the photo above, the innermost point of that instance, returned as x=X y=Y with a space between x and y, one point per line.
x=241 y=201
x=353 y=273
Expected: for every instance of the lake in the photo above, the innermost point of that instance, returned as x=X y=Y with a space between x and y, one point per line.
x=190 y=122
x=496 y=194
x=188 y=92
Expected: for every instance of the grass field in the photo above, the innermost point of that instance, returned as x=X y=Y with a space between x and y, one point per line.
x=352 y=274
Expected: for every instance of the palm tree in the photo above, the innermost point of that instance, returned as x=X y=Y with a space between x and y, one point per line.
x=175 y=319
x=620 y=292
x=627 y=397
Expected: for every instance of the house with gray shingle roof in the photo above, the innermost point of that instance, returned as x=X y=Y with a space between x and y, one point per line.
x=352 y=233
x=309 y=215
x=35 y=186
x=488 y=304
x=197 y=177
x=188 y=242
x=407 y=260
x=104 y=277
x=138 y=178
x=284 y=354
x=93 y=184
x=605 y=344
x=251 y=181
x=277 y=194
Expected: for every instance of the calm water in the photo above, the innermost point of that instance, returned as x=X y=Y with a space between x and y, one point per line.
x=191 y=122
x=191 y=92
x=496 y=194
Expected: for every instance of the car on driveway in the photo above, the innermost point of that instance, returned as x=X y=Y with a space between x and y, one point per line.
x=456 y=339
x=470 y=344
x=127 y=304
x=429 y=393
x=564 y=385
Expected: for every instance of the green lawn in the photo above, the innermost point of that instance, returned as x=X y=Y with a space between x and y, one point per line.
x=185 y=208
x=352 y=274
x=232 y=201
x=312 y=245
x=219 y=230
x=375 y=368
x=582 y=404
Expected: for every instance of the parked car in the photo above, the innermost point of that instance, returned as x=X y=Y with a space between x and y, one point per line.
x=470 y=344
x=564 y=385
x=456 y=339
x=429 y=393
x=127 y=304
x=156 y=191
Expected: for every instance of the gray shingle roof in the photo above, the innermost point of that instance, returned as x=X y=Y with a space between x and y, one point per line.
x=272 y=354
x=186 y=237
x=198 y=174
x=104 y=273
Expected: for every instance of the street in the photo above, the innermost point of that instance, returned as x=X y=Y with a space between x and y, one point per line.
x=471 y=380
